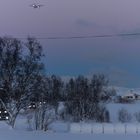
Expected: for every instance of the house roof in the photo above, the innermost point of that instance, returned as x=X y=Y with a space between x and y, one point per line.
x=121 y=91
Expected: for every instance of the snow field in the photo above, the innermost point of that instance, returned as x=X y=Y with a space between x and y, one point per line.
x=22 y=135
x=82 y=131
x=114 y=108
x=60 y=127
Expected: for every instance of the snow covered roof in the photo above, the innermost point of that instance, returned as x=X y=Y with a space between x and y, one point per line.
x=121 y=91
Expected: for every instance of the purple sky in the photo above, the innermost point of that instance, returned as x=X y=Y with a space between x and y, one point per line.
x=118 y=58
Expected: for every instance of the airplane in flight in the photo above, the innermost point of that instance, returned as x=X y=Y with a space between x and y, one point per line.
x=35 y=6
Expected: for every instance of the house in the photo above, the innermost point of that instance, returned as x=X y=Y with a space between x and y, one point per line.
x=137 y=96
x=129 y=97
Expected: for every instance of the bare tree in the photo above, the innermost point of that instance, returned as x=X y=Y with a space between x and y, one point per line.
x=20 y=64
x=137 y=116
x=43 y=117
x=84 y=98
x=124 y=116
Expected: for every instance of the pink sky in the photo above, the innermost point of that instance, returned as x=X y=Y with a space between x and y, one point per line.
x=69 y=17
x=117 y=57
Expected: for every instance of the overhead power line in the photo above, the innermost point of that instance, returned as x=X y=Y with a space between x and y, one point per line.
x=87 y=36
x=95 y=36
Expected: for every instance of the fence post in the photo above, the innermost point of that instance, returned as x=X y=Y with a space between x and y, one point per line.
x=125 y=127
x=137 y=131
x=68 y=126
x=114 y=130
x=103 y=131
x=92 y=128
x=80 y=127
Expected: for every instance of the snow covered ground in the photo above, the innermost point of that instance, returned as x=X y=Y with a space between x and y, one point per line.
x=105 y=128
x=6 y=133
x=24 y=135
x=71 y=131
x=84 y=131
x=132 y=108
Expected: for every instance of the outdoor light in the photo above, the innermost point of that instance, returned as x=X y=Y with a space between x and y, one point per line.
x=7 y=117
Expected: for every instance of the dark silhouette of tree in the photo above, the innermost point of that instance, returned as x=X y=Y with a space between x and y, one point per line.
x=84 y=98
x=20 y=65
